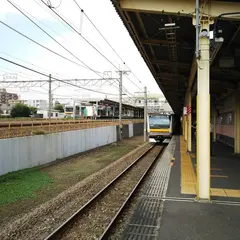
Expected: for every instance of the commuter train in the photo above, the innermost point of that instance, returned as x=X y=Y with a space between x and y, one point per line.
x=160 y=127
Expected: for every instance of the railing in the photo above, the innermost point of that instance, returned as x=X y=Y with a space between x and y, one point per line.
x=36 y=127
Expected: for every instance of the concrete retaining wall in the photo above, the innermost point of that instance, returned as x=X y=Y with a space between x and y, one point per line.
x=30 y=151
x=25 y=152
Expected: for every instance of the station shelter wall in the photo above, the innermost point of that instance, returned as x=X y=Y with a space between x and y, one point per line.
x=225 y=121
x=30 y=151
x=130 y=130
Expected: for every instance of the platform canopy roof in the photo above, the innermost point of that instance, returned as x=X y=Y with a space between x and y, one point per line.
x=111 y=103
x=170 y=53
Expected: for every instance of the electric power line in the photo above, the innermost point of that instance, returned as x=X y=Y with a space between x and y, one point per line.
x=49 y=2
x=44 y=69
x=107 y=43
x=17 y=72
x=16 y=7
x=43 y=74
x=39 y=44
x=74 y=29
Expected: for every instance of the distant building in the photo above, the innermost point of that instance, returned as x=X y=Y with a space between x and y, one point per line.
x=6 y=96
x=37 y=103
x=54 y=114
x=155 y=103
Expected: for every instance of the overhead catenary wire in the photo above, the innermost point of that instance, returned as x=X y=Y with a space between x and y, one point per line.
x=15 y=6
x=34 y=65
x=88 y=67
x=107 y=42
x=74 y=29
x=46 y=75
x=39 y=44
x=49 y=2
x=16 y=72
x=98 y=30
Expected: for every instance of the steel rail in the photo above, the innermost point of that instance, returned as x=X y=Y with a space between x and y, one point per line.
x=70 y=220
x=110 y=226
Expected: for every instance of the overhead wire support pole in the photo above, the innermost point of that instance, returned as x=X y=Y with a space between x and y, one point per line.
x=145 y=115
x=50 y=97
x=120 y=105
x=121 y=72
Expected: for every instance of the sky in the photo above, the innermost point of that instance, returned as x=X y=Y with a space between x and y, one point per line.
x=87 y=63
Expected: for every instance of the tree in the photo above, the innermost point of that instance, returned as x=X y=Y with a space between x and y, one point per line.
x=20 y=110
x=33 y=110
x=59 y=107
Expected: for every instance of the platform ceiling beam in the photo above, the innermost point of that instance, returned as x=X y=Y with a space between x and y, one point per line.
x=180 y=7
x=145 y=33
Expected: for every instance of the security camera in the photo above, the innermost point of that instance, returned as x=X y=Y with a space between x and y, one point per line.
x=204 y=33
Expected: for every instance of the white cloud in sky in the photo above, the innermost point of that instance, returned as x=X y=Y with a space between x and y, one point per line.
x=105 y=18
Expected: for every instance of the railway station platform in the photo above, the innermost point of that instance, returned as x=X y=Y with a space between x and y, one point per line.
x=176 y=213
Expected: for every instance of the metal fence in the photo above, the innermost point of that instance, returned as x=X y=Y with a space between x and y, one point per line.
x=28 y=128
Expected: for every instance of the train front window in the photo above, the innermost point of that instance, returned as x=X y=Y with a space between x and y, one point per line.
x=159 y=122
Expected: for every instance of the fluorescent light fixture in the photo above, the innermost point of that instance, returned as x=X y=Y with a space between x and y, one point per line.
x=169 y=24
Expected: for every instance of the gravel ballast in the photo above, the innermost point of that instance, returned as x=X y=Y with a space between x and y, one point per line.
x=41 y=221
x=93 y=222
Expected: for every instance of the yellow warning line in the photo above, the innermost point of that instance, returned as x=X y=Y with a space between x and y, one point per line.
x=188 y=176
x=219 y=176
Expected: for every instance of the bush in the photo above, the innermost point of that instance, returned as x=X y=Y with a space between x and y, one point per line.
x=59 y=107
x=20 y=110
x=33 y=110
x=38 y=132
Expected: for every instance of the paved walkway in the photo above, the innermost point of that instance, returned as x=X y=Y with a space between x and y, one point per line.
x=225 y=171
x=175 y=214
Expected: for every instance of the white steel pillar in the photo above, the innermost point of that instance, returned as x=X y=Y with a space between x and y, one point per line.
x=189 y=116
x=203 y=118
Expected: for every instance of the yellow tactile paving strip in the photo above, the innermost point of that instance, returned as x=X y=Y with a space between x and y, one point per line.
x=188 y=176
x=225 y=192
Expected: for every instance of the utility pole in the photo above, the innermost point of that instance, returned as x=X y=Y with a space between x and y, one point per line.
x=74 y=110
x=120 y=105
x=145 y=115
x=50 y=97
x=121 y=72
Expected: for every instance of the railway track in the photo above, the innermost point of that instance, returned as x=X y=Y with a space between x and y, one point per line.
x=95 y=219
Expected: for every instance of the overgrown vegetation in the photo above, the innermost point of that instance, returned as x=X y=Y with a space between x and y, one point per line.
x=20 y=110
x=59 y=107
x=33 y=110
x=22 y=184
x=25 y=190
x=39 y=132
